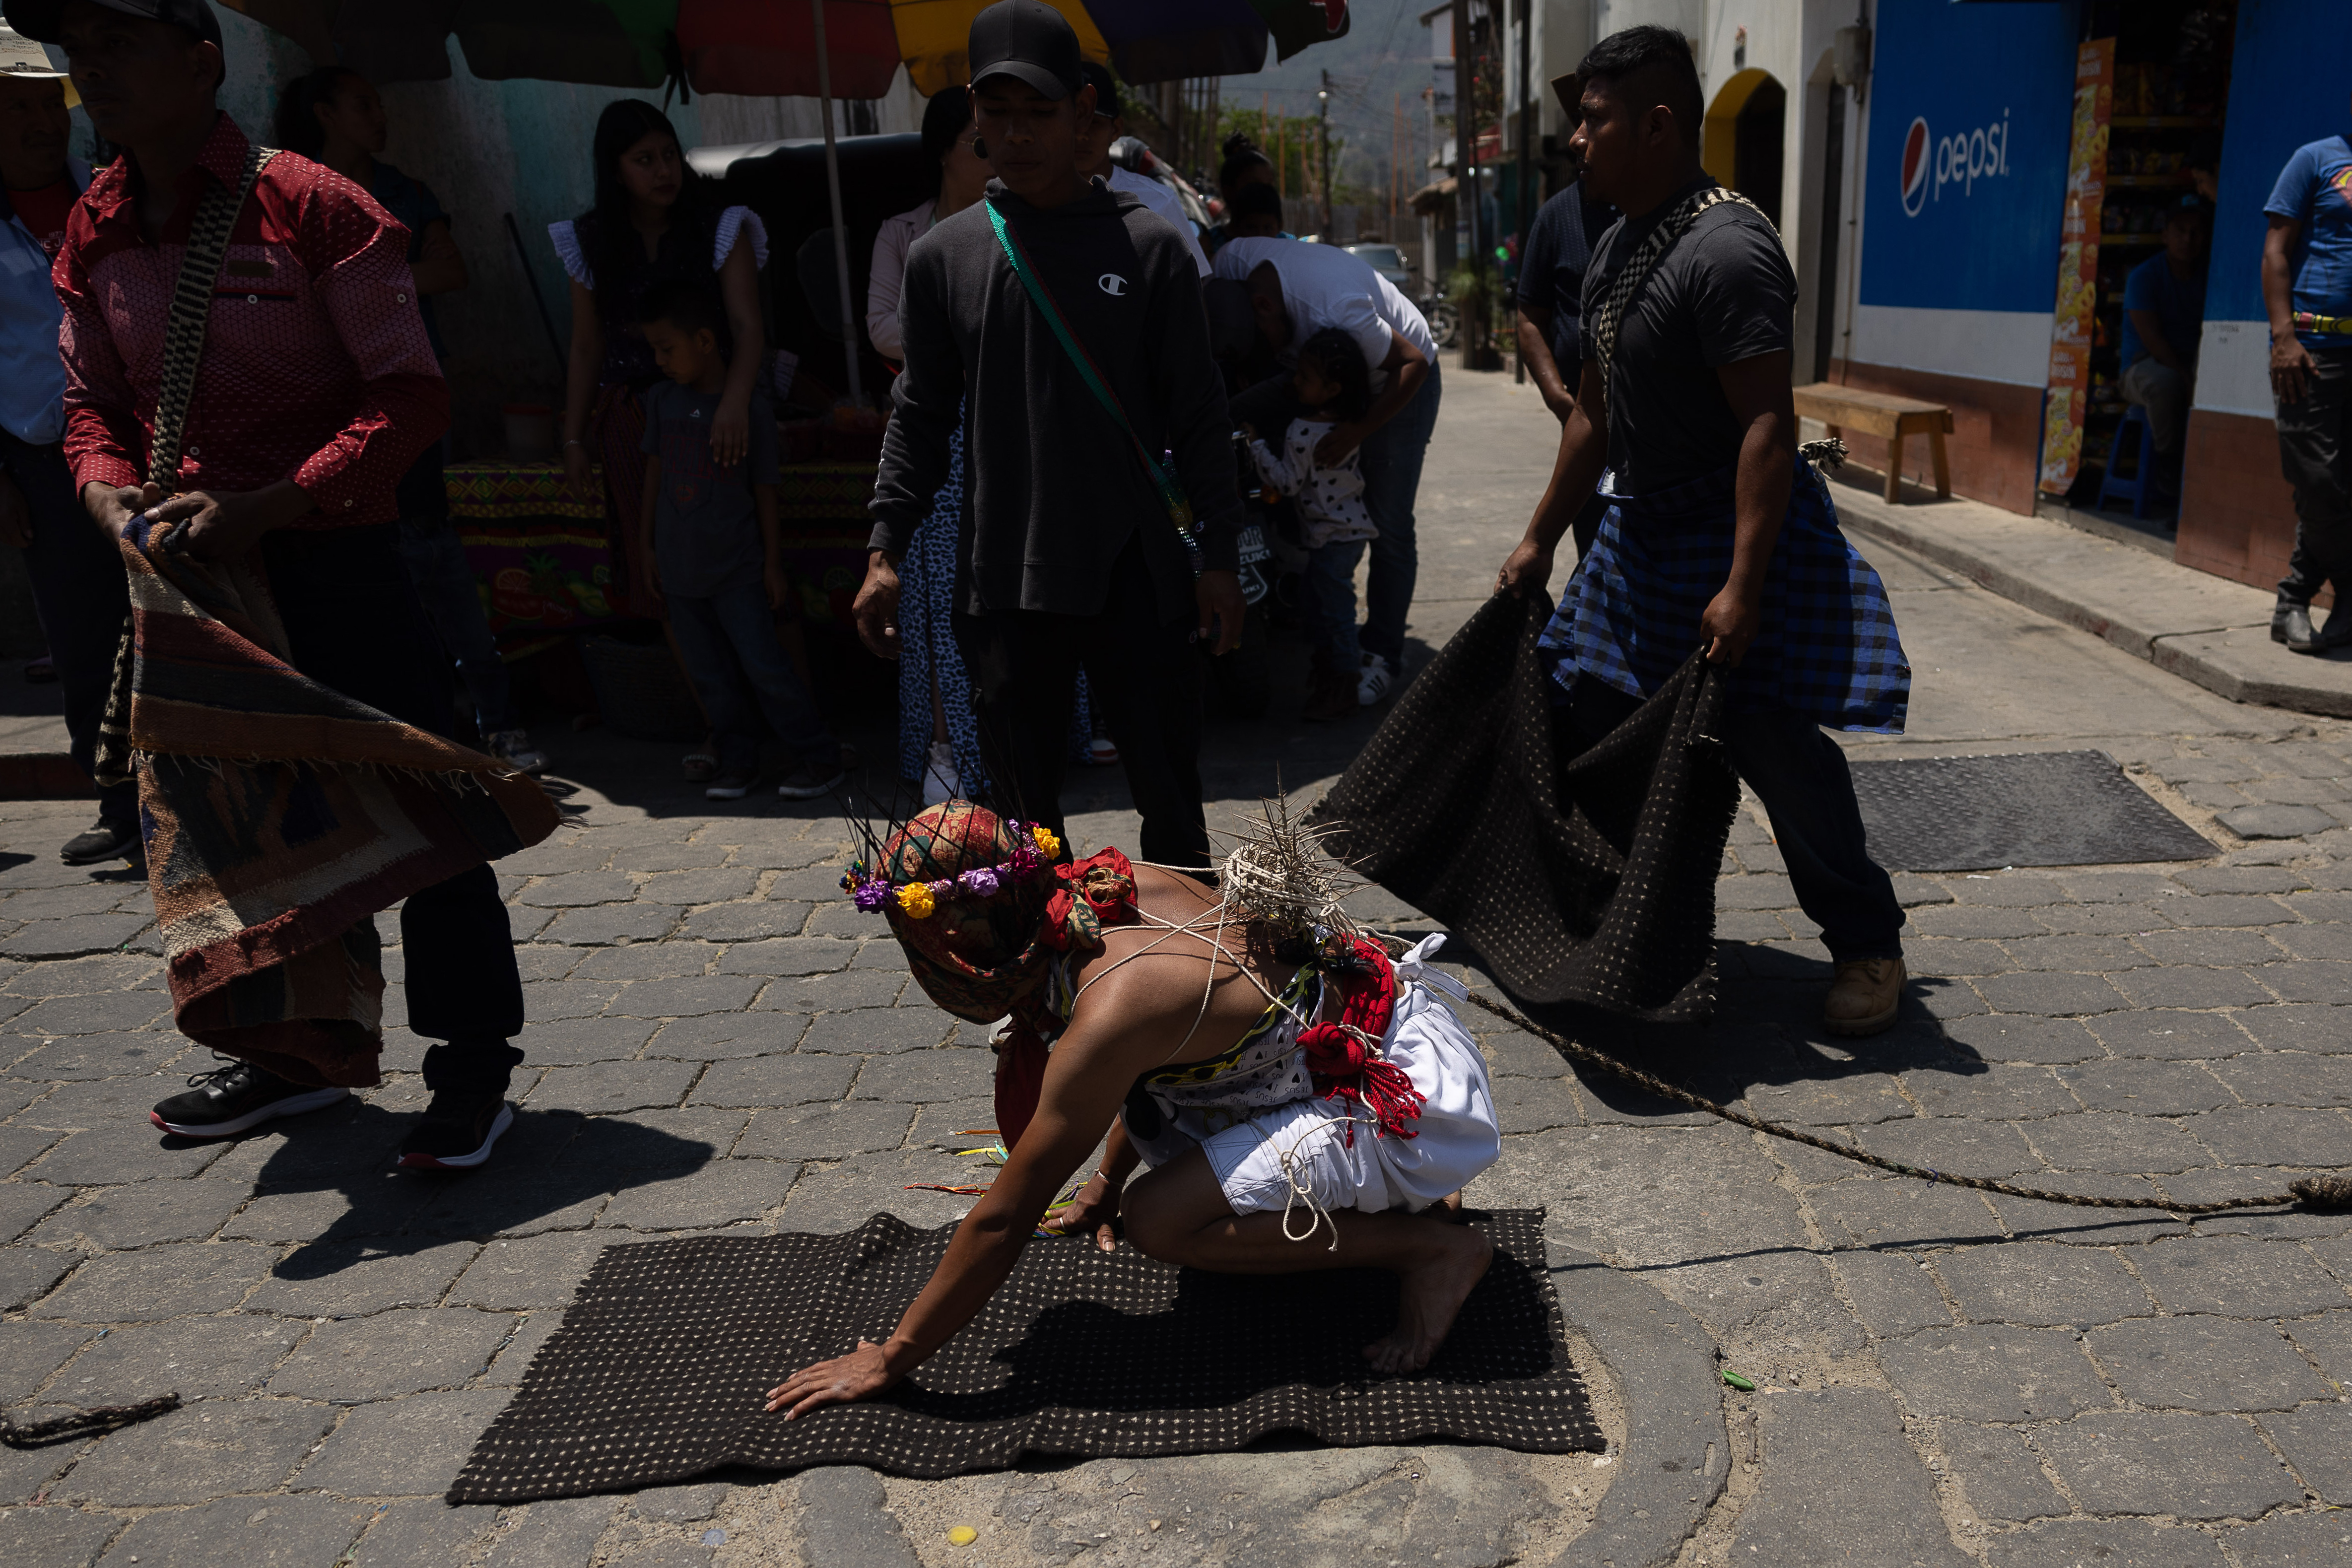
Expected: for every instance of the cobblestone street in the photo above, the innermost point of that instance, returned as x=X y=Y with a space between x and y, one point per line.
x=719 y=1042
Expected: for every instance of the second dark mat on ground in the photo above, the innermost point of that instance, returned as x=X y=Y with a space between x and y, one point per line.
x=658 y=1371
x=2037 y=808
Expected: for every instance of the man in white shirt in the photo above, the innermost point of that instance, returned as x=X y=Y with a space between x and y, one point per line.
x=1298 y=289
x=1093 y=163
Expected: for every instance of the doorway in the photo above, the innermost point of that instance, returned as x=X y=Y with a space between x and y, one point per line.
x=1743 y=139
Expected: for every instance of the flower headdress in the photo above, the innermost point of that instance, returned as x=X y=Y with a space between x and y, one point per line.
x=895 y=879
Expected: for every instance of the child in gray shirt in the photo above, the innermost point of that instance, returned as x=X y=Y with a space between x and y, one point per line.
x=711 y=534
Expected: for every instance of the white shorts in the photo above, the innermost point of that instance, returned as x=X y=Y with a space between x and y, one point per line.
x=1458 y=1134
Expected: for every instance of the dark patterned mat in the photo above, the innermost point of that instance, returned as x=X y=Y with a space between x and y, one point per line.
x=658 y=1371
x=2040 y=809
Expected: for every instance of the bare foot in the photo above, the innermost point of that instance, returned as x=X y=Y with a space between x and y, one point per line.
x=1428 y=1296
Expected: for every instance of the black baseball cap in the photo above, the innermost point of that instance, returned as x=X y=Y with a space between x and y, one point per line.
x=37 y=19
x=1106 y=88
x=1024 y=39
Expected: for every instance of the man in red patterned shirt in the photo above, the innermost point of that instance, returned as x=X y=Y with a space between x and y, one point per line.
x=316 y=390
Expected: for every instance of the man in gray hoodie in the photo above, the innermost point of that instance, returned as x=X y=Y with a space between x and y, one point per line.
x=1068 y=555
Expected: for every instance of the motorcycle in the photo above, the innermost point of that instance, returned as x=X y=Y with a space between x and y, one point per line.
x=1445 y=320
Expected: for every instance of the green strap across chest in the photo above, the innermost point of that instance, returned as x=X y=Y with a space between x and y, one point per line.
x=1171 y=496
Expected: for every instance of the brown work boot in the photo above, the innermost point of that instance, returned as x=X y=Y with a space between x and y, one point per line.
x=1864 y=997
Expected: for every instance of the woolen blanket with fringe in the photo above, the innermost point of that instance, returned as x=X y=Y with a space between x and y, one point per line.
x=279 y=815
x=1577 y=877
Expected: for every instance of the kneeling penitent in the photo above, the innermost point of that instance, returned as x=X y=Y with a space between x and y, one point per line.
x=1302 y=1099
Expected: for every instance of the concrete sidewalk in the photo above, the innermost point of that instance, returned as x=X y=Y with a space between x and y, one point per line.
x=2201 y=628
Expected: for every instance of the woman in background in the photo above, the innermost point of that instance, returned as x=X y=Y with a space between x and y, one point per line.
x=651 y=224
x=335 y=117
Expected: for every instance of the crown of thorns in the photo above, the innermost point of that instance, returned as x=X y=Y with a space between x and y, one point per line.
x=1030 y=859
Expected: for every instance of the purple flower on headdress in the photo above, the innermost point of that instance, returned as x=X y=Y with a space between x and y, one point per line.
x=1026 y=861
x=872 y=895
x=943 y=888
x=980 y=881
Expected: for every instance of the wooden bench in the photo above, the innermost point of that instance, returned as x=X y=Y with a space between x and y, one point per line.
x=1883 y=414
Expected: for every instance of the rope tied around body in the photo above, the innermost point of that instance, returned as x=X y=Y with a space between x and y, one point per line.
x=2328 y=1191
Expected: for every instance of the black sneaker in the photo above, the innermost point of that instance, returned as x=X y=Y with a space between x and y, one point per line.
x=232 y=1099
x=807 y=781
x=456 y=1132
x=733 y=784
x=101 y=842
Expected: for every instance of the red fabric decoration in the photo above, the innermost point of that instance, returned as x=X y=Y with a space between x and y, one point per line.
x=1020 y=1077
x=1345 y=1066
x=1101 y=892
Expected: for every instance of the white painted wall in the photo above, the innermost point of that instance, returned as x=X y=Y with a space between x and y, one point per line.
x=1790 y=39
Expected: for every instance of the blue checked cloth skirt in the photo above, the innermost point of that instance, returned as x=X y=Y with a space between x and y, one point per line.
x=1828 y=648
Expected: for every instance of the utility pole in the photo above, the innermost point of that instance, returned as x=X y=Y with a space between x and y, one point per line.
x=1465 y=186
x=1527 y=153
x=1323 y=109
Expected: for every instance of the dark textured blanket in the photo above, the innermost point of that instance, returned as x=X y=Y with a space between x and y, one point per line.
x=1582 y=878
x=657 y=1371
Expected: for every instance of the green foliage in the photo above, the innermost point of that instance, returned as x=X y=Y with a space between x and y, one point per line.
x=1293 y=141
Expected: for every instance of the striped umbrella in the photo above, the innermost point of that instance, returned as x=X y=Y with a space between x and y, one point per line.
x=767 y=47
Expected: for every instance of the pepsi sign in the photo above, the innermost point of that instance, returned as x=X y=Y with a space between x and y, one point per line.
x=1971 y=112
x=1957 y=160
x=1915 y=168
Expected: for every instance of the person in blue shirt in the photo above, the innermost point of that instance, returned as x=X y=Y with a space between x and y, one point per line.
x=2307 y=293
x=79 y=593
x=2164 y=313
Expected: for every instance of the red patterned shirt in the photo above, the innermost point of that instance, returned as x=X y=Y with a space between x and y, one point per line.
x=316 y=367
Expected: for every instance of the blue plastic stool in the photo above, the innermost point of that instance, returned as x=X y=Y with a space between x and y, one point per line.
x=2139 y=490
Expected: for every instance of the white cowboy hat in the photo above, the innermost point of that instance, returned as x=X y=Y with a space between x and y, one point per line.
x=20 y=57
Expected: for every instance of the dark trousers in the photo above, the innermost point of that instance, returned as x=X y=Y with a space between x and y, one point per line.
x=1145 y=677
x=444 y=587
x=1800 y=774
x=353 y=623
x=742 y=672
x=2316 y=452
x=81 y=595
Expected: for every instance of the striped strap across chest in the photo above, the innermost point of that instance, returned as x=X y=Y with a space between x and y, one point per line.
x=191 y=304
x=1610 y=313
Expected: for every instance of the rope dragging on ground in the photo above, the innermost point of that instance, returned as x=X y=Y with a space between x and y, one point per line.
x=2332 y=1192
x=82 y=1423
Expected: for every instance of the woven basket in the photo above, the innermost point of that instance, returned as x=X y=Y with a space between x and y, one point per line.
x=640 y=691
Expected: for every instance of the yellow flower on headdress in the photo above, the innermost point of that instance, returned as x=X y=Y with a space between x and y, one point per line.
x=916 y=899
x=1046 y=842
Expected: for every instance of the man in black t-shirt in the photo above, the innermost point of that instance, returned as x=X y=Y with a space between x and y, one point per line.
x=1716 y=537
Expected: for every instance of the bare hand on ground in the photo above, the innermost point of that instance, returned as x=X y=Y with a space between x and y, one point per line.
x=1093 y=1210
x=1526 y=571
x=875 y=609
x=1219 y=594
x=1729 y=625
x=845 y=1380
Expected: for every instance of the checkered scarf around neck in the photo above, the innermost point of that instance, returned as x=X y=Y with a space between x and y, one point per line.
x=1032 y=919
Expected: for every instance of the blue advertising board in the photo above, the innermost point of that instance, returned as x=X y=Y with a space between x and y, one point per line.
x=1970 y=109
x=2287 y=86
